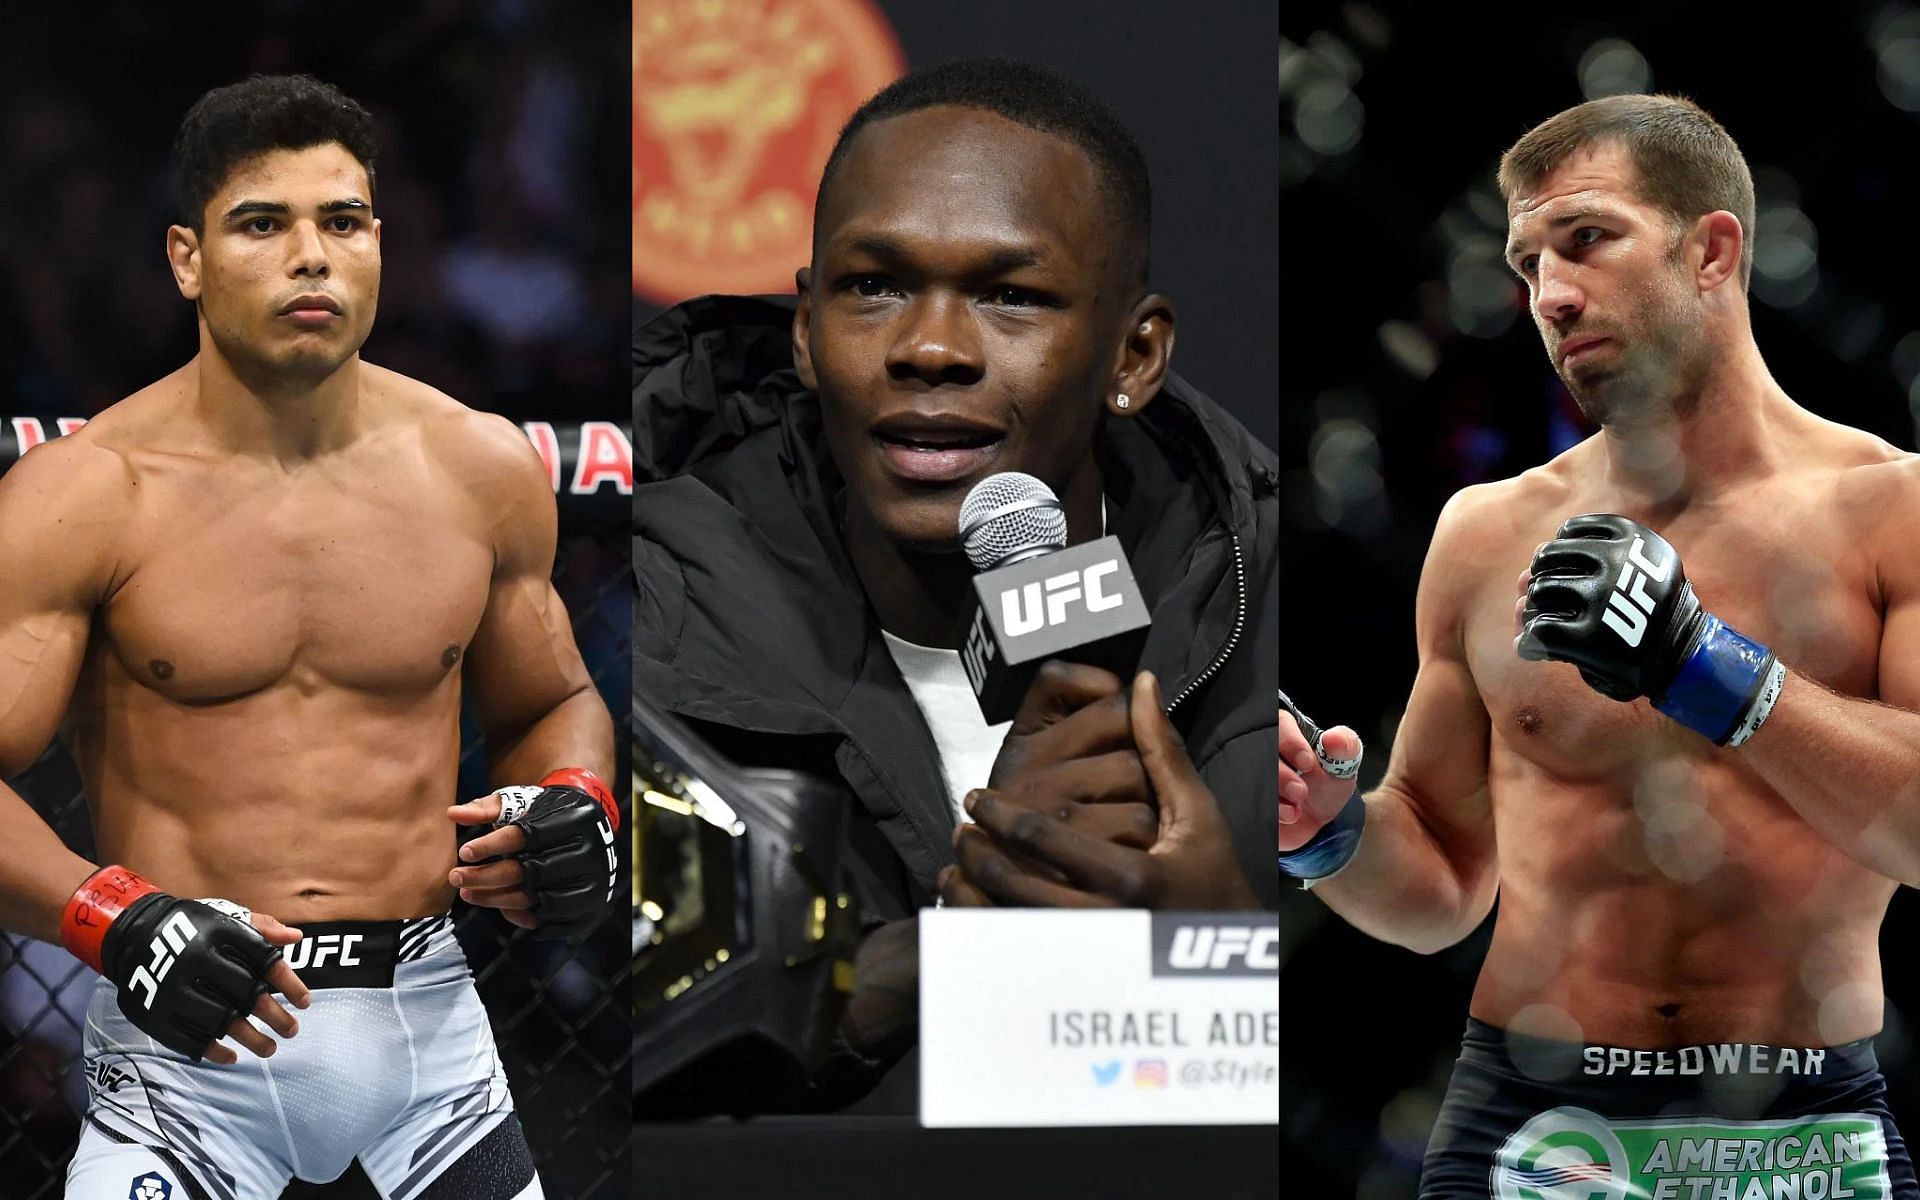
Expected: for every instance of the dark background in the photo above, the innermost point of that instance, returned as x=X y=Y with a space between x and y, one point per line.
x=1414 y=370
x=503 y=195
x=1196 y=92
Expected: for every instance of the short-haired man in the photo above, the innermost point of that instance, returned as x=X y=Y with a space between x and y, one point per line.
x=977 y=302
x=1695 y=830
x=253 y=591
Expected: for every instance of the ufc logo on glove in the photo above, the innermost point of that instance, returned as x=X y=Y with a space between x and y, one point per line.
x=166 y=946
x=1629 y=620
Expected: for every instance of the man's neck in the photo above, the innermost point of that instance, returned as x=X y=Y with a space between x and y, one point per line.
x=920 y=597
x=1727 y=432
x=287 y=419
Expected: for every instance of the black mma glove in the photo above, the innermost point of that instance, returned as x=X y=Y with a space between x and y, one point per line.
x=184 y=970
x=1609 y=596
x=571 y=868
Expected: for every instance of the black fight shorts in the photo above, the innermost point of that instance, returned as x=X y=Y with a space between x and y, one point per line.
x=1530 y=1118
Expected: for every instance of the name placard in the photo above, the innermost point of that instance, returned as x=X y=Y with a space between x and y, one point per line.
x=1124 y=1017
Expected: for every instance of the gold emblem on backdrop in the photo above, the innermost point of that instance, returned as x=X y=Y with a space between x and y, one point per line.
x=735 y=107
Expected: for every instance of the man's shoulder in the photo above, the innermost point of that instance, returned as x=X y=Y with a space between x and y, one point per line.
x=1863 y=467
x=402 y=398
x=144 y=420
x=478 y=445
x=1483 y=537
x=1873 y=503
x=1488 y=515
x=87 y=471
x=63 y=509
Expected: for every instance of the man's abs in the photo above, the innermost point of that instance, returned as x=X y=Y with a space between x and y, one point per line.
x=1672 y=905
x=312 y=803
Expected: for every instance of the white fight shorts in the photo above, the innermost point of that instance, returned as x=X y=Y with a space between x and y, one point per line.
x=394 y=1065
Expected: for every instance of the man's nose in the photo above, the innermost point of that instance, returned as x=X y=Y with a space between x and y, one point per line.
x=1558 y=295
x=938 y=342
x=306 y=251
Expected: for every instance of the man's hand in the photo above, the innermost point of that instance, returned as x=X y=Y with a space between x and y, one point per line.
x=884 y=1009
x=1070 y=754
x=500 y=884
x=556 y=869
x=1191 y=864
x=185 y=972
x=280 y=980
x=1309 y=795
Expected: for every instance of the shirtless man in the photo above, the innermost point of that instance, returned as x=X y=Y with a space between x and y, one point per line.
x=253 y=591
x=1684 y=979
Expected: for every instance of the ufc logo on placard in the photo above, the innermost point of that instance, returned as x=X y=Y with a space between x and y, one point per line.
x=1628 y=605
x=1197 y=947
x=314 y=951
x=1038 y=605
x=166 y=946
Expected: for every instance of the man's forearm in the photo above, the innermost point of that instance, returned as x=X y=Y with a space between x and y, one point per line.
x=1400 y=885
x=38 y=874
x=1850 y=768
x=577 y=732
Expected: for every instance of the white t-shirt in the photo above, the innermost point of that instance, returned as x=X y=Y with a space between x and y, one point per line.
x=967 y=744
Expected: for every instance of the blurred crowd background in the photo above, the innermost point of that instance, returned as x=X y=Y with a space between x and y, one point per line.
x=502 y=190
x=1412 y=369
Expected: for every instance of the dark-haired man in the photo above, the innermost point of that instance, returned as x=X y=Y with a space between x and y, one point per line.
x=977 y=302
x=1695 y=783
x=253 y=591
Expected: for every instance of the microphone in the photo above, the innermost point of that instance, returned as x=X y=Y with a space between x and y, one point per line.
x=1035 y=599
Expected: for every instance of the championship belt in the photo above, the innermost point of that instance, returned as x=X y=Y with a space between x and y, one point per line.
x=743 y=928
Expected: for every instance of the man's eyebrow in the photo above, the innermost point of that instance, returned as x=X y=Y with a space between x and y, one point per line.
x=1562 y=221
x=248 y=208
x=998 y=261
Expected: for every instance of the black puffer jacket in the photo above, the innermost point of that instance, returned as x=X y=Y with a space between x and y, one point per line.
x=752 y=621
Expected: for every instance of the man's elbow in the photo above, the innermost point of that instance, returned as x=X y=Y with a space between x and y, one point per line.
x=1431 y=939
x=504 y=727
x=1470 y=908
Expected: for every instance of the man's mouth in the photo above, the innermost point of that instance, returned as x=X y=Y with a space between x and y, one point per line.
x=311 y=310
x=936 y=448
x=1574 y=347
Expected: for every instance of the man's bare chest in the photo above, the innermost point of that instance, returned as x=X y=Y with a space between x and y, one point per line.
x=1790 y=580
x=229 y=587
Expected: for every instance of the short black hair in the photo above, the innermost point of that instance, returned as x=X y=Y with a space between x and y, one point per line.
x=1038 y=98
x=232 y=124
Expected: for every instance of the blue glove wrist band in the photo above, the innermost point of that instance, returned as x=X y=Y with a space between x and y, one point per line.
x=1726 y=687
x=1331 y=848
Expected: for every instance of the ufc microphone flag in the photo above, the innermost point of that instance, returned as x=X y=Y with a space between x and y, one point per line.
x=1080 y=604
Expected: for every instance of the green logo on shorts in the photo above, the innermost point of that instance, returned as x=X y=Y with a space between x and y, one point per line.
x=1573 y=1154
